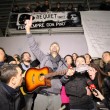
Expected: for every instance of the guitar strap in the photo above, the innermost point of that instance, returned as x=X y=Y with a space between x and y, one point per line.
x=55 y=61
x=63 y=62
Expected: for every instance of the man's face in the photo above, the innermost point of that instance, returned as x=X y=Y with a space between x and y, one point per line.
x=2 y=56
x=80 y=61
x=106 y=57
x=26 y=57
x=54 y=48
x=18 y=77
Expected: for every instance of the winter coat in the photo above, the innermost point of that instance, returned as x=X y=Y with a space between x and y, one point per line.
x=76 y=90
x=9 y=101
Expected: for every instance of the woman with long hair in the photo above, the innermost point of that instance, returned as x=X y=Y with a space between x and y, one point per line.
x=100 y=80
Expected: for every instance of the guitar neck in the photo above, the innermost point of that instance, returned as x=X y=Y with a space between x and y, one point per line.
x=52 y=74
x=82 y=68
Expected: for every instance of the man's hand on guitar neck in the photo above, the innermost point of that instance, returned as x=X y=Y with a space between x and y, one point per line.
x=28 y=24
x=70 y=71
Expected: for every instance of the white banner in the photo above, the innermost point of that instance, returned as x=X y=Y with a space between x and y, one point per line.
x=44 y=16
x=96 y=25
x=49 y=19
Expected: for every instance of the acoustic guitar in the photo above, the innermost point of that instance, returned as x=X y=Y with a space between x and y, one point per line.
x=36 y=78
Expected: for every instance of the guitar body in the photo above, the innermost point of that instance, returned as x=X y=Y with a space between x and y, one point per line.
x=33 y=81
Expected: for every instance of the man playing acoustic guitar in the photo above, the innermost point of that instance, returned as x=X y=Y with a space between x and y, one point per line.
x=48 y=98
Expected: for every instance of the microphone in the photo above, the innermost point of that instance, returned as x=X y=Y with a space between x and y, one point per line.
x=92 y=87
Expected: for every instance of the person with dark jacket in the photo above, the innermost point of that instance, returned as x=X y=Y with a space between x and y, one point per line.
x=76 y=85
x=37 y=7
x=10 y=95
x=106 y=60
x=58 y=7
x=105 y=5
x=46 y=6
x=70 y=7
x=102 y=83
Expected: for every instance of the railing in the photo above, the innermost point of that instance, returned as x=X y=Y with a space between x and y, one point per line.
x=6 y=31
x=12 y=22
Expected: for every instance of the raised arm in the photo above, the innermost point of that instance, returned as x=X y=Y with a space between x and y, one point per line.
x=31 y=41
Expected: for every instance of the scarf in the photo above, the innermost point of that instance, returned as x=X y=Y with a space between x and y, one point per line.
x=55 y=61
x=25 y=67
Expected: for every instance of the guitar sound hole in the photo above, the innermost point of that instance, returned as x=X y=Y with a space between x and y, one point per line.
x=41 y=77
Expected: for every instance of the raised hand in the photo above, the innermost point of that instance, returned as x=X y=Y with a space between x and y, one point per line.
x=28 y=24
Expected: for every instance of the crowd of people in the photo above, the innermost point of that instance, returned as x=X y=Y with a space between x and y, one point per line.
x=48 y=6
x=45 y=7
x=84 y=85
